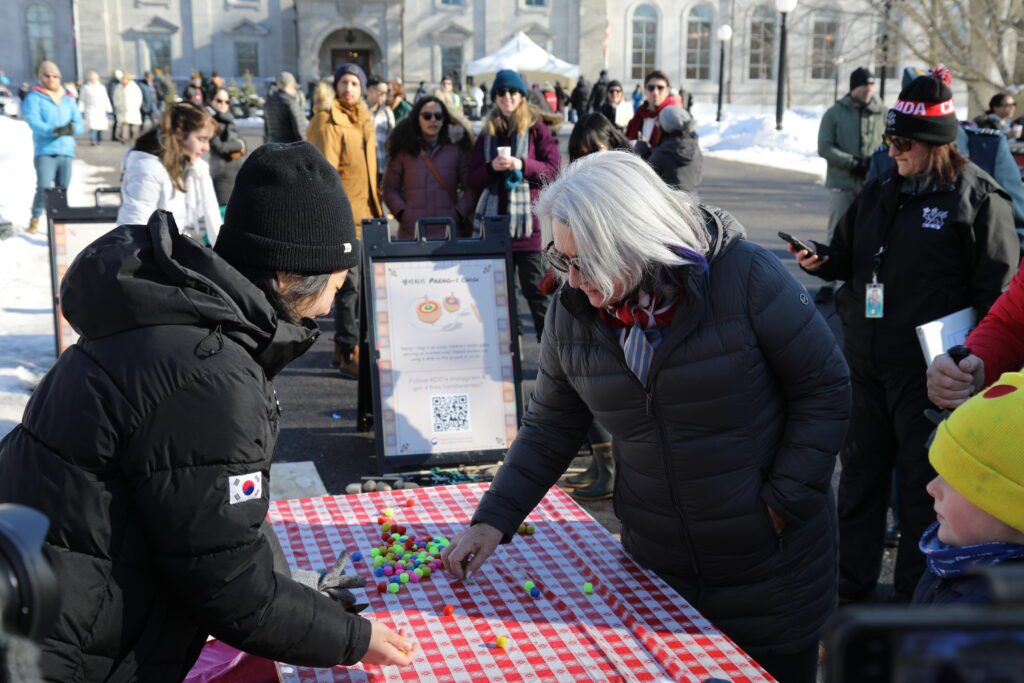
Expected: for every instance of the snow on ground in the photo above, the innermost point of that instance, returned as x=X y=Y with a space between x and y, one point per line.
x=26 y=299
x=747 y=134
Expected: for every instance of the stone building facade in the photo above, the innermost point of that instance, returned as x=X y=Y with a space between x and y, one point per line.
x=423 y=39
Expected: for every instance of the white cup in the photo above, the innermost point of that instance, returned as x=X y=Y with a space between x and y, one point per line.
x=504 y=151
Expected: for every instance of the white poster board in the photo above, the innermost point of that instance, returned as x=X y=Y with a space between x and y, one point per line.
x=69 y=240
x=939 y=335
x=443 y=335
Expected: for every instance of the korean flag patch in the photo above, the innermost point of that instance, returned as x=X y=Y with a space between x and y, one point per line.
x=245 y=487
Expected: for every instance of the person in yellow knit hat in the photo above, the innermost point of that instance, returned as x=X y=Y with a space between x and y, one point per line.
x=978 y=454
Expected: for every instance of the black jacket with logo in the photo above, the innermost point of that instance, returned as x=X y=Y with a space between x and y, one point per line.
x=129 y=445
x=947 y=248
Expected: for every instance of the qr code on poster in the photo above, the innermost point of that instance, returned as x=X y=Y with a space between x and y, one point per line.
x=451 y=413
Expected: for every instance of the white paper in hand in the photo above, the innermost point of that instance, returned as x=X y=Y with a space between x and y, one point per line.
x=941 y=334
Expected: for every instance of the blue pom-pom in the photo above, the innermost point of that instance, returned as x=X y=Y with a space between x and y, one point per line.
x=356 y=556
x=379 y=571
x=395 y=579
x=535 y=592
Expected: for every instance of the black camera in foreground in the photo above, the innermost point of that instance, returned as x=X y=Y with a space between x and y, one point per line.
x=941 y=644
x=29 y=599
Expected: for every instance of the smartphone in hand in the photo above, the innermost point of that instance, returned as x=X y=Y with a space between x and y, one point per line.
x=797 y=244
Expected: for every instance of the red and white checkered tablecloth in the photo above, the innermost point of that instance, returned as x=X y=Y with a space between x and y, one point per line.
x=633 y=627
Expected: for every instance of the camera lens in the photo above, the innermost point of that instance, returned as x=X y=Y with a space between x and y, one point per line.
x=29 y=601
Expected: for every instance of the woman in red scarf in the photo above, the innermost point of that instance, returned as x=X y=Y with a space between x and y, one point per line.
x=644 y=125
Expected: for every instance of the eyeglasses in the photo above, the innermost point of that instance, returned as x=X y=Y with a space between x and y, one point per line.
x=502 y=92
x=1009 y=104
x=221 y=100
x=614 y=89
x=560 y=261
x=654 y=87
x=899 y=144
x=436 y=115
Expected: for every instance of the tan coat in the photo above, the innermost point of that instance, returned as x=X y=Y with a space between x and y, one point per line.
x=352 y=149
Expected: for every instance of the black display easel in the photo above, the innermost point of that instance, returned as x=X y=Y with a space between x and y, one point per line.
x=494 y=242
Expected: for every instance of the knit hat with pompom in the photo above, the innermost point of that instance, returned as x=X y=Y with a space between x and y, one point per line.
x=924 y=110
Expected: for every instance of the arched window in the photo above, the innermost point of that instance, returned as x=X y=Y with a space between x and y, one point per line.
x=824 y=42
x=762 y=43
x=698 y=42
x=645 y=41
x=39 y=34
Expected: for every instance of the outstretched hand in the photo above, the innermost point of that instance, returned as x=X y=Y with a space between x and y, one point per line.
x=470 y=549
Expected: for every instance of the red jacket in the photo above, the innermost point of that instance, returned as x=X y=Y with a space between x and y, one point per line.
x=410 y=188
x=998 y=339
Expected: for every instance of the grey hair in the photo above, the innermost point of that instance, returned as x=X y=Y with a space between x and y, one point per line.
x=625 y=220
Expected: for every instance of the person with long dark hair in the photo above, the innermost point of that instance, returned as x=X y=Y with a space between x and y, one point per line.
x=427 y=172
x=929 y=238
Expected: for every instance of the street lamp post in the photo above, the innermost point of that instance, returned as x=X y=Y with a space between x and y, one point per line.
x=784 y=7
x=724 y=36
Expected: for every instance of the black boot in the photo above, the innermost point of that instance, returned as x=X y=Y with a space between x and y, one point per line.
x=602 y=488
x=584 y=478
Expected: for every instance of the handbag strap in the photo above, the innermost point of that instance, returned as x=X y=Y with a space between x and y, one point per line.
x=437 y=176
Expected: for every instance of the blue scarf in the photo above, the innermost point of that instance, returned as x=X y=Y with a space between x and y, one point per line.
x=950 y=562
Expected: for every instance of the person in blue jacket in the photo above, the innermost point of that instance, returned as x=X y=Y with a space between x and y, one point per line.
x=54 y=118
x=988 y=149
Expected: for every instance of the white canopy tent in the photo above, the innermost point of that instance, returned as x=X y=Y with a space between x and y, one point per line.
x=525 y=56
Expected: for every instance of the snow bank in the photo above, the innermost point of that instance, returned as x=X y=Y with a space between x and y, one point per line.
x=18 y=174
x=26 y=300
x=747 y=134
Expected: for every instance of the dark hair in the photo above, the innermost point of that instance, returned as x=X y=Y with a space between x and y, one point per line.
x=944 y=162
x=372 y=82
x=300 y=289
x=997 y=100
x=657 y=74
x=407 y=137
x=592 y=132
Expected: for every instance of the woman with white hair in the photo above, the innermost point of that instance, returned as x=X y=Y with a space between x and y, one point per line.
x=723 y=389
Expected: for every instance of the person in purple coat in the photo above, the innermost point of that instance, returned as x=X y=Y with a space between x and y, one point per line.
x=514 y=155
x=428 y=169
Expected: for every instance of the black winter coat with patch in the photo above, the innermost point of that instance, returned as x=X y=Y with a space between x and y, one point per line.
x=947 y=248
x=678 y=160
x=746 y=406
x=128 y=445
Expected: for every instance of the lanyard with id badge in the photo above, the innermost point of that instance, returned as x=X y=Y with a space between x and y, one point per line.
x=874 y=293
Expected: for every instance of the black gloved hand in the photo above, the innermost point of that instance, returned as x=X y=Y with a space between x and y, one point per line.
x=66 y=129
x=333 y=583
x=861 y=165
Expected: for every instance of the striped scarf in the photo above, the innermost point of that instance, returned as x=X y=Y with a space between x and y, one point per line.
x=639 y=321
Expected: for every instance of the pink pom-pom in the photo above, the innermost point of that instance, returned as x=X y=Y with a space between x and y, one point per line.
x=943 y=73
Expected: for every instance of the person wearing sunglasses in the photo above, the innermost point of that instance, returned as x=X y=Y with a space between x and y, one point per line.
x=644 y=124
x=930 y=238
x=513 y=156
x=615 y=107
x=427 y=172
x=227 y=148
x=725 y=394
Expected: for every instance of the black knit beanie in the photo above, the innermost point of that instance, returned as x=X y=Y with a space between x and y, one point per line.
x=924 y=110
x=861 y=76
x=350 y=70
x=288 y=212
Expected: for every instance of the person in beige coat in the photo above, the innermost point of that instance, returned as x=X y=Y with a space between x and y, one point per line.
x=344 y=135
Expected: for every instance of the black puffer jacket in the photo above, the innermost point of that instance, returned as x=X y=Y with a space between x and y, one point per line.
x=283 y=118
x=128 y=445
x=746 y=405
x=947 y=248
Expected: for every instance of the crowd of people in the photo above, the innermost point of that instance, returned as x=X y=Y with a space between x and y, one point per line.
x=713 y=393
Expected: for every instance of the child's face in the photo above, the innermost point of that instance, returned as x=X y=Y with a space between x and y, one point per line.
x=962 y=523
